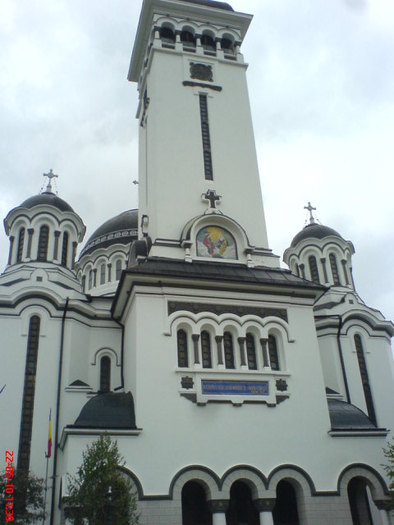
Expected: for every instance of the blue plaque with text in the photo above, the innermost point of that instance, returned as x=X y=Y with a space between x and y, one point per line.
x=234 y=388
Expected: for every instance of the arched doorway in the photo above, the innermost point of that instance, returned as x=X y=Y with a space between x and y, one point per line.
x=285 y=511
x=358 y=500
x=195 y=510
x=241 y=510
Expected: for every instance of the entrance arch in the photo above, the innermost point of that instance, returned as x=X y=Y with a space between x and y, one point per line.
x=241 y=510
x=195 y=510
x=285 y=511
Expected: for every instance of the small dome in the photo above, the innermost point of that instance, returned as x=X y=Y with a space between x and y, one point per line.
x=316 y=231
x=48 y=198
x=110 y=410
x=122 y=228
x=211 y=3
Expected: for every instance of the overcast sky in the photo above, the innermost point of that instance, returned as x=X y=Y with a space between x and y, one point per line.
x=321 y=80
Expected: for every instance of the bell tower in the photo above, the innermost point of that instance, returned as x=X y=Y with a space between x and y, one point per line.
x=196 y=133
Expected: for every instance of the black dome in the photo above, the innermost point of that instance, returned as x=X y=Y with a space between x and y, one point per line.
x=211 y=3
x=109 y=410
x=47 y=198
x=345 y=416
x=316 y=231
x=122 y=228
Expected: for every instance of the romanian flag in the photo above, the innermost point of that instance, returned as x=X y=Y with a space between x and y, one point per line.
x=49 y=453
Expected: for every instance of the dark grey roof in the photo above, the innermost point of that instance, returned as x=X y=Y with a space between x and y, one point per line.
x=108 y=411
x=122 y=228
x=218 y=271
x=211 y=3
x=316 y=231
x=48 y=198
x=345 y=416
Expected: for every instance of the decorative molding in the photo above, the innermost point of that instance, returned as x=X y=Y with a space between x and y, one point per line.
x=219 y=309
x=190 y=83
x=264 y=505
x=218 y=505
x=187 y=382
x=201 y=71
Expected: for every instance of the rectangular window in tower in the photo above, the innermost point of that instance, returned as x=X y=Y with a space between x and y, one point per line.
x=206 y=141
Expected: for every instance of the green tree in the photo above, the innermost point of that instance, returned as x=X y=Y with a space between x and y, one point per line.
x=389 y=467
x=100 y=494
x=21 y=497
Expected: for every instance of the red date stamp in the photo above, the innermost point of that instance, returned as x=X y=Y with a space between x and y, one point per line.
x=9 y=487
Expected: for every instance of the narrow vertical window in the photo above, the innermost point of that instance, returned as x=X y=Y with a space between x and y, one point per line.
x=90 y=284
x=102 y=273
x=364 y=378
x=251 y=352
x=42 y=252
x=26 y=424
x=21 y=240
x=118 y=269
x=273 y=352
x=334 y=269
x=105 y=374
x=84 y=283
x=65 y=249
x=313 y=269
x=206 y=140
x=206 y=349
x=183 y=360
x=228 y=350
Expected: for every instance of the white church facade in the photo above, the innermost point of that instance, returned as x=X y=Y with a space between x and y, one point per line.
x=239 y=392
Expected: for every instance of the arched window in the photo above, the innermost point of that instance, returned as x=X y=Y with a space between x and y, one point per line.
x=102 y=273
x=183 y=360
x=334 y=269
x=42 y=252
x=241 y=509
x=195 y=509
x=118 y=269
x=208 y=43
x=313 y=269
x=84 y=283
x=188 y=39
x=206 y=349
x=105 y=374
x=21 y=240
x=90 y=283
x=228 y=350
x=251 y=352
x=297 y=270
x=273 y=352
x=364 y=378
x=167 y=35
x=285 y=511
x=65 y=249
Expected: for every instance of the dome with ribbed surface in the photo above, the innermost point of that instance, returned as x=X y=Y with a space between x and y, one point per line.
x=315 y=231
x=48 y=198
x=122 y=228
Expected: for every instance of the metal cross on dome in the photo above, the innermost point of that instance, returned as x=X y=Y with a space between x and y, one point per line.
x=211 y=196
x=310 y=208
x=50 y=176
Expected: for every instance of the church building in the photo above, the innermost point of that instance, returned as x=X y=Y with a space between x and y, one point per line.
x=239 y=392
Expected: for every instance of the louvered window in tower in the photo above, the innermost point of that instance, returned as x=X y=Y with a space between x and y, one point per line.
x=273 y=352
x=228 y=350
x=334 y=269
x=21 y=240
x=251 y=352
x=183 y=360
x=364 y=378
x=314 y=269
x=42 y=253
x=206 y=349
x=65 y=249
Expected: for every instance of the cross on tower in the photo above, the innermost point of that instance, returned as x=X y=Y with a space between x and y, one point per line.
x=211 y=196
x=50 y=176
x=310 y=208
